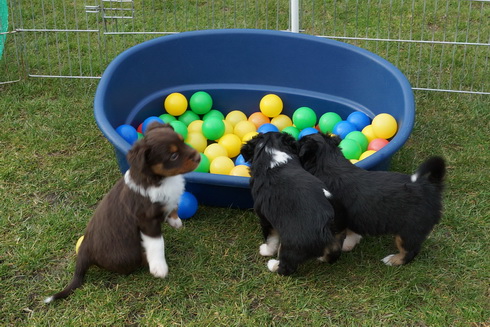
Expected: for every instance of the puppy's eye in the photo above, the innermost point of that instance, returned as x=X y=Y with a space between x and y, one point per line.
x=174 y=156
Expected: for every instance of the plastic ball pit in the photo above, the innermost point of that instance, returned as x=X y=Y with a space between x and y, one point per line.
x=238 y=68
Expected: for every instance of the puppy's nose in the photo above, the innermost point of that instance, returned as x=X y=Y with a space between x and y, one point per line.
x=196 y=157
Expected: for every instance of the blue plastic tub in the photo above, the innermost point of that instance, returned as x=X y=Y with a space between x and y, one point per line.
x=239 y=67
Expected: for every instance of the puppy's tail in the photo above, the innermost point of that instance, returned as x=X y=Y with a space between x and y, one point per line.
x=434 y=169
x=81 y=268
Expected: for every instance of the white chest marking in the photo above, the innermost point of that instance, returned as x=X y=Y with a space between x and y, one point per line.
x=167 y=193
x=328 y=195
x=278 y=157
x=414 y=177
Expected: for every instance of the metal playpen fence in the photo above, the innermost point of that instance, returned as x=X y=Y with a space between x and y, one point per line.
x=440 y=45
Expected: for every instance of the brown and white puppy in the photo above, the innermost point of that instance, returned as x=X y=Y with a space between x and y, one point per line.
x=125 y=230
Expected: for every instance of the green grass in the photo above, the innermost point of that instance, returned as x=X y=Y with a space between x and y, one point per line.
x=55 y=166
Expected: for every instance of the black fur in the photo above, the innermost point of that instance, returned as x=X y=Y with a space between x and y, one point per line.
x=290 y=202
x=378 y=202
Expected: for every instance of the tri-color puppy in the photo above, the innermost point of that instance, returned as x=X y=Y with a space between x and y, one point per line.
x=125 y=230
x=295 y=215
x=378 y=202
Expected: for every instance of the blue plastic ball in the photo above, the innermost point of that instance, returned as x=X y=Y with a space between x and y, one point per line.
x=187 y=205
x=343 y=128
x=150 y=120
x=241 y=161
x=266 y=128
x=128 y=133
x=307 y=131
x=359 y=119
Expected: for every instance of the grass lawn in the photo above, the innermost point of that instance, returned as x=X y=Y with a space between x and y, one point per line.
x=55 y=166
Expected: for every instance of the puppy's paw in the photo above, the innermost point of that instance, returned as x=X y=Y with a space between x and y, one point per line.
x=393 y=260
x=350 y=241
x=267 y=251
x=174 y=222
x=159 y=269
x=273 y=265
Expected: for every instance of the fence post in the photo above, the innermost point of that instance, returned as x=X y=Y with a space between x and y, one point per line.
x=294 y=15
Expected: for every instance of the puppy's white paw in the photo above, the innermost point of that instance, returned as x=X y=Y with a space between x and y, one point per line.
x=387 y=260
x=350 y=241
x=273 y=265
x=159 y=269
x=175 y=222
x=267 y=251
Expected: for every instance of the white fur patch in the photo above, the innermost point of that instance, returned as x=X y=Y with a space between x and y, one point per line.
x=387 y=260
x=278 y=157
x=350 y=241
x=174 y=222
x=414 y=178
x=273 y=265
x=269 y=248
x=48 y=299
x=167 y=193
x=328 y=195
x=155 y=255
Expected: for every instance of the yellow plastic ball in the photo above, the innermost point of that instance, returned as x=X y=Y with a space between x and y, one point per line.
x=384 y=126
x=79 y=242
x=197 y=141
x=271 y=105
x=366 y=154
x=281 y=122
x=228 y=127
x=195 y=126
x=235 y=116
x=369 y=133
x=175 y=104
x=240 y=170
x=232 y=143
x=247 y=137
x=353 y=161
x=215 y=150
x=243 y=128
x=221 y=165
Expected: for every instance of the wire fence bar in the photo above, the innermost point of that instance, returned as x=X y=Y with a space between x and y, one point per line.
x=440 y=45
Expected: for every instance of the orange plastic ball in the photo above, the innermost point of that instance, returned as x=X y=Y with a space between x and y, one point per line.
x=258 y=119
x=221 y=165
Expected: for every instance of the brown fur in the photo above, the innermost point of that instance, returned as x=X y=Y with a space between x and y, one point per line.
x=112 y=239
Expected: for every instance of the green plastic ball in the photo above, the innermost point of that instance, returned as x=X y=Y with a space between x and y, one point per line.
x=179 y=128
x=201 y=102
x=213 y=128
x=304 y=117
x=188 y=117
x=214 y=113
x=350 y=148
x=291 y=130
x=360 y=138
x=167 y=118
x=328 y=121
x=204 y=164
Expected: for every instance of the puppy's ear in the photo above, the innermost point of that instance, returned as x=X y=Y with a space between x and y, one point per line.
x=307 y=148
x=290 y=141
x=138 y=154
x=247 y=150
x=156 y=125
x=332 y=139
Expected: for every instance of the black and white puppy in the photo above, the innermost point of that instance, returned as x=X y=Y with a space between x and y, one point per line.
x=125 y=230
x=378 y=202
x=295 y=214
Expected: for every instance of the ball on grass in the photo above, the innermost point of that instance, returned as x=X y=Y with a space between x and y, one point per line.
x=187 y=205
